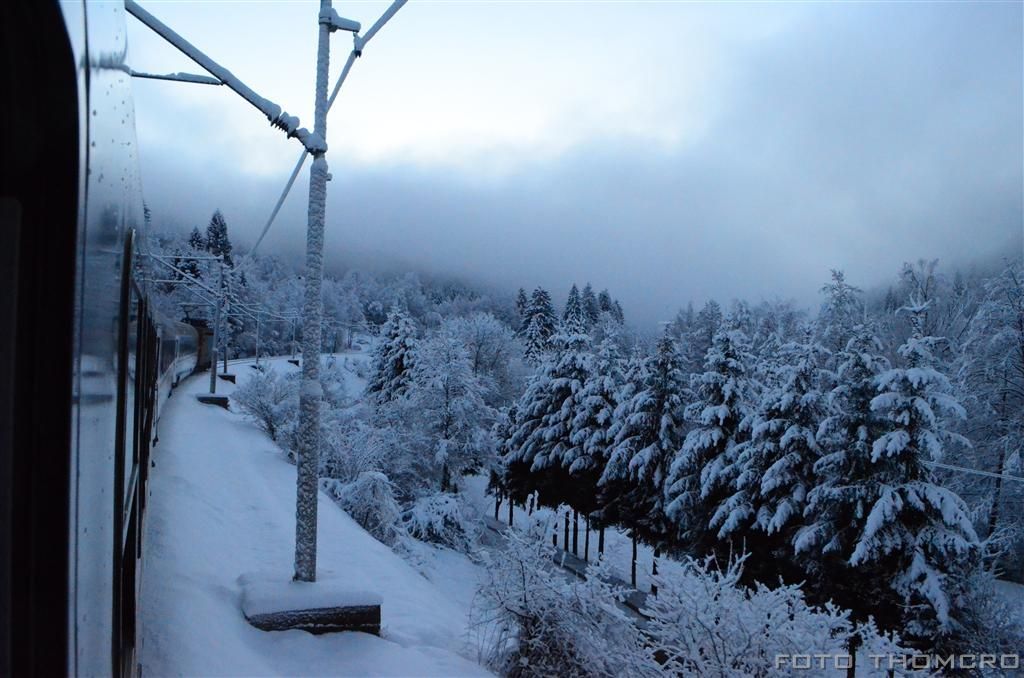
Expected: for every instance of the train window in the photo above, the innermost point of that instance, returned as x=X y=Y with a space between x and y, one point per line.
x=130 y=403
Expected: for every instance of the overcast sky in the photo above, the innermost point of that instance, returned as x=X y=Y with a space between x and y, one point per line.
x=668 y=151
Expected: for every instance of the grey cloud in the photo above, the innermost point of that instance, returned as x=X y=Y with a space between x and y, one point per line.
x=874 y=134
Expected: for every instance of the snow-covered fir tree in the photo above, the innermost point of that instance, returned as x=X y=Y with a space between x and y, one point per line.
x=393 y=359
x=592 y=433
x=991 y=377
x=196 y=240
x=522 y=311
x=841 y=311
x=648 y=432
x=918 y=532
x=544 y=436
x=846 y=484
x=217 y=242
x=771 y=474
x=719 y=416
x=540 y=327
x=699 y=335
x=618 y=313
x=591 y=307
x=574 y=307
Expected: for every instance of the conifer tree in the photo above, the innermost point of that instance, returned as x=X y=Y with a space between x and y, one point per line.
x=217 y=241
x=648 y=432
x=394 y=358
x=846 y=486
x=720 y=419
x=916 y=531
x=991 y=373
x=617 y=312
x=772 y=473
x=196 y=247
x=522 y=311
x=547 y=410
x=841 y=311
x=541 y=326
x=591 y=307
x=573 y=307
x=701 y=332
x=604 y=302
x=196 y=240
x=592 y=433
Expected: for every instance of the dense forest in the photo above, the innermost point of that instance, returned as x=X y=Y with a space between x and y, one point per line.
x=865 y=455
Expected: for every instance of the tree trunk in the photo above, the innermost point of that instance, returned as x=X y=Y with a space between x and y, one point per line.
x=497 y=506
x=632 y=572
x=565 y=540
x=510 y=504
x=654 y=571
x=586 y=541
x=600 y=541
x=575 y=533
x=993 y=514
x=851 y=649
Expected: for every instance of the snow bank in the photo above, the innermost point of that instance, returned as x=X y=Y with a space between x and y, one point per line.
x=223 y=504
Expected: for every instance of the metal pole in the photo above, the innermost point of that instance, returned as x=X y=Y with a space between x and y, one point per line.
x=257 y=338
x=227 y=315
x=310 y=394
x=213 y=348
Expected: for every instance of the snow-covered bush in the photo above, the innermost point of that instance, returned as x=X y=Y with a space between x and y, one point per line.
x=370 y=501
x=989 y=621
x=332 y=380
x=530 y=620
x=270 y=399
x=704 y=622
x=347 y=447
x=541 y=522
x=443 y=518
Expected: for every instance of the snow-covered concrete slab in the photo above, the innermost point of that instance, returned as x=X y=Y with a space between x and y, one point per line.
x=272 y=602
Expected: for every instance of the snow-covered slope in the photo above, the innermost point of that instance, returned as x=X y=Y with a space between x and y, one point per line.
x=222 y=505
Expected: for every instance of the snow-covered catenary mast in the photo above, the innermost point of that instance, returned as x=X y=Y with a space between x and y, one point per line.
x=314 y=143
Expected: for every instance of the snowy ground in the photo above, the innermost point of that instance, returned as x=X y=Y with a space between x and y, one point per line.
x=221 y=506
x=1014 y=595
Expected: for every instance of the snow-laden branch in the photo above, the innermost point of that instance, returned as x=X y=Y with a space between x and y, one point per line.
x=277 y=117
x=359 y=43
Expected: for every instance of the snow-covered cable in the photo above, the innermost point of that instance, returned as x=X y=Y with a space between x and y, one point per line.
x=277 y=117
x=360 y=42
x=280 y=201
x=964 y=469
x=177 y=77
x=162 y=260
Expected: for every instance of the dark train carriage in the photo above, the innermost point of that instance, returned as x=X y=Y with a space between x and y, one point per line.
x=84 y=362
